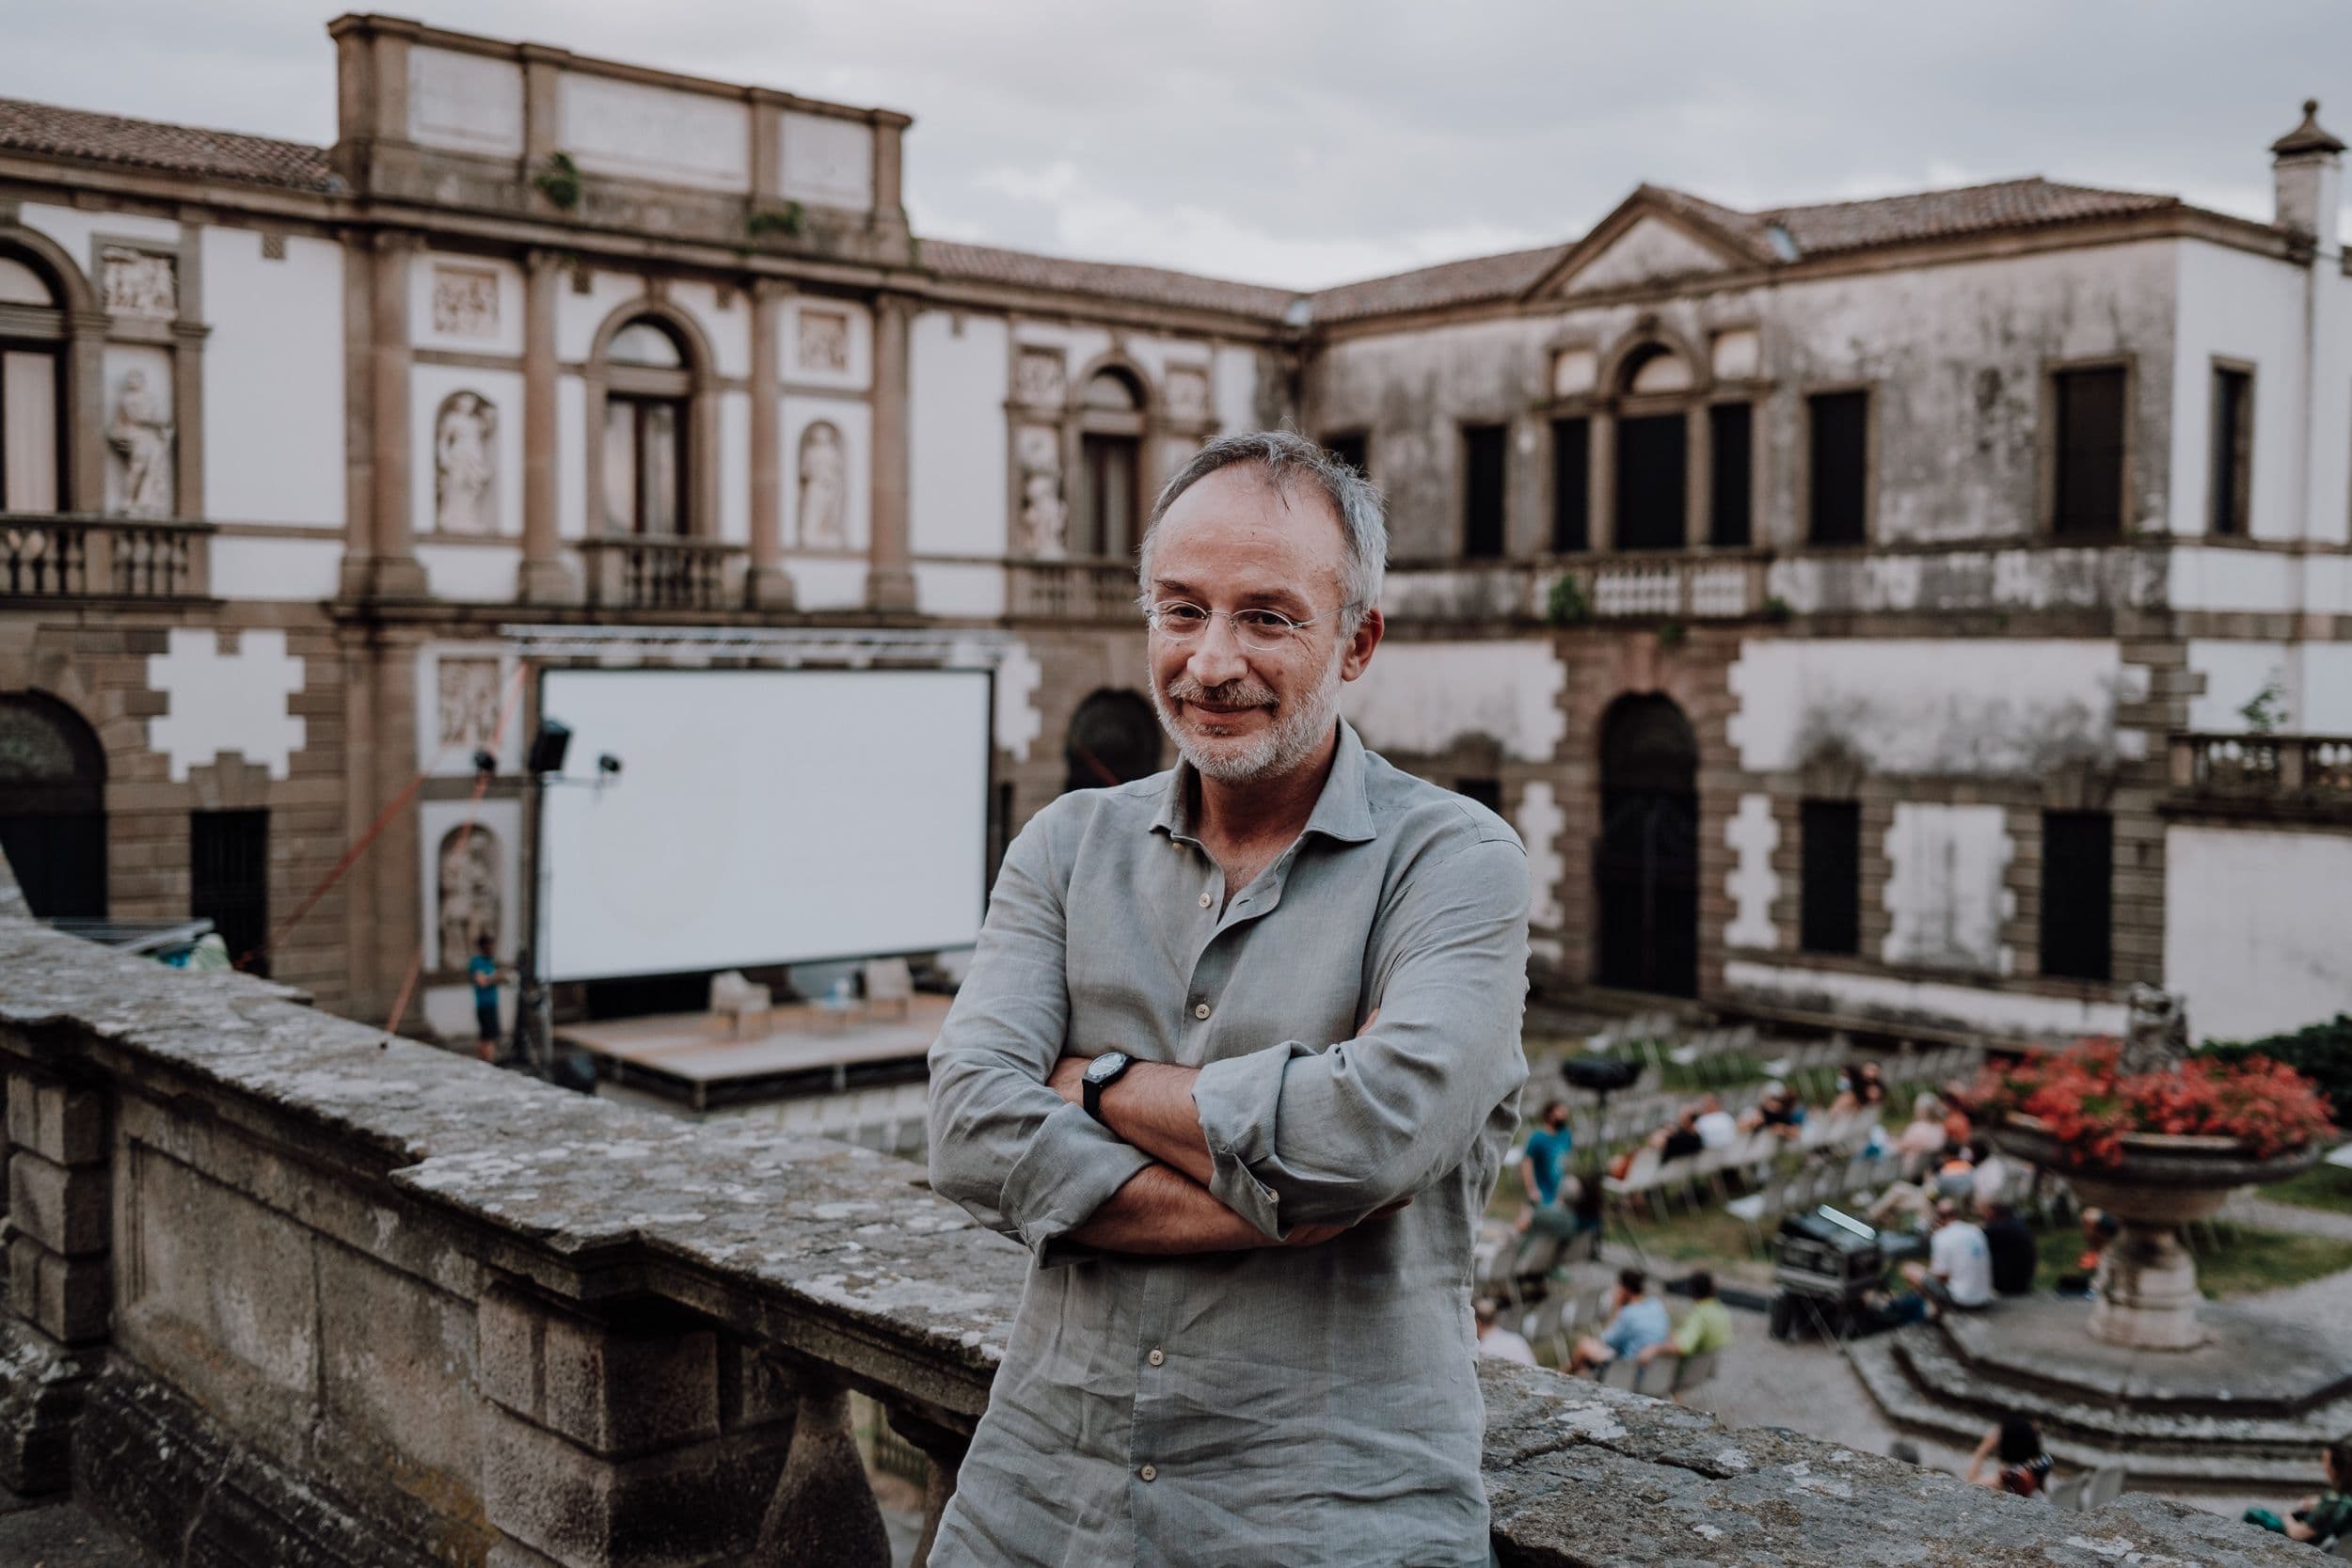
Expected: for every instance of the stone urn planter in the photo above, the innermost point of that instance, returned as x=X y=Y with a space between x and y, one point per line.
x=2147 y=1283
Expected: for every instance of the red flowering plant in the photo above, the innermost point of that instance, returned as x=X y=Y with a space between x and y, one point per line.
x=2084 y=1099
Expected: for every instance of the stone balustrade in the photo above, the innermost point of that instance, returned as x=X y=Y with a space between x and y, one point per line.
x=2277 y=767
x=52 y=556
x=636 y=572
x=285 y=1290
x=1085 y=590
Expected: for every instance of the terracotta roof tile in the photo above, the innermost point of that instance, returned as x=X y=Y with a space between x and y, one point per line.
x=1478 y=280
x=2031 y=203
x=146 y=144
x=981 y=264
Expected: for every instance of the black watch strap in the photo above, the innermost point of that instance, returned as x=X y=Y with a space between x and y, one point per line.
x=1097 y=1079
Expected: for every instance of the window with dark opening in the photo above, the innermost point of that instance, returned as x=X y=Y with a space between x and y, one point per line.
x=1830 y=843
x=2232 y=447
x=1483 y=447
x=1730 y=430
x=1653 y=480
x=1838 y=482
x=1352 y=448
x=228 y=878
x=1108 y=465
x=1571 y=485
x=2087 y=497
x=1487 y=792
x=2077 y=867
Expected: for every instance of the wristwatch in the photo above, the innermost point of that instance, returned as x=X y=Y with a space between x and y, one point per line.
x=1101 y=1075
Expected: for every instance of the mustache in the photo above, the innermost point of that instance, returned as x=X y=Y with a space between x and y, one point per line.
x=1233 y=694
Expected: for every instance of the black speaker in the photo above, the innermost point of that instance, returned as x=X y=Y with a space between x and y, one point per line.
x=1602 y=1074
x=549 y=746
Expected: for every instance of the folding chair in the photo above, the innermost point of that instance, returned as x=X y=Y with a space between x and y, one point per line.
x=2066 y=1495
x=1623 y=1372
x=1691 y=1371
x=1654 y=1378
x=2101 y=1487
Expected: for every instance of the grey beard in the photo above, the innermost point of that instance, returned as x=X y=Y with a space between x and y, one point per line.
x=1293 y=738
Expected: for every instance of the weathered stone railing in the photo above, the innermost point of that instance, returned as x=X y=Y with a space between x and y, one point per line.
x=632 y=572
x=1073 y=591
x=46 y=556
x=2316 y=767
x=285 y=1290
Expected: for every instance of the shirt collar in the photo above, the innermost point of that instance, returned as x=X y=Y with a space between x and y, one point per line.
x=1342 y=810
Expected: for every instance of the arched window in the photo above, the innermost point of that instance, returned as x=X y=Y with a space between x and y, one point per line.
x=648 y=393
x=1113 y=739
x=1110 y=464
x=32 y=384
x=53 y=805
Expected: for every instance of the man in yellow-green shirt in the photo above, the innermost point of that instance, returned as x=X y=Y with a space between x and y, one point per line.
x=1705 y=1328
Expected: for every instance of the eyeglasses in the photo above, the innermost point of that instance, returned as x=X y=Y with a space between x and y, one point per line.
x=1262 y=629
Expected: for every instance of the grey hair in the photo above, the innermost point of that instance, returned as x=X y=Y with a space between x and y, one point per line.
x=1290 y=459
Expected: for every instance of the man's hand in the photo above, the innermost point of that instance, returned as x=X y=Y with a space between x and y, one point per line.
x=1068 y=1079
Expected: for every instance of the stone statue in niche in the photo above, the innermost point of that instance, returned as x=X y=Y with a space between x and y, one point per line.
x=1037 y=379
x=465 y=466
x=139 y=283
x=468 y=706
x=824 y=343
x=465 y=302
x=1044 y=515
x=1187 y=395
x=468 y=892
x=140 y=435
x=824 y=489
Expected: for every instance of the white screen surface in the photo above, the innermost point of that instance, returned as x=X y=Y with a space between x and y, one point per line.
x=763 y=816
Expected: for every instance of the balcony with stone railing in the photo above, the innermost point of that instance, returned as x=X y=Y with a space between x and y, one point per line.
x=63 y=556
x=285 y=1290
x=2263 y=775
x=1081 y=590
x=637 y=572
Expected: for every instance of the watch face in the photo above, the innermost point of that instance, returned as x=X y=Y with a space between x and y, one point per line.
x=1106 y=1066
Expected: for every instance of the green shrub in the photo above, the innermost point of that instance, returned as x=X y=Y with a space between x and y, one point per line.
x=788 y=219
x=2321 y=1051
x=1568 y=605
x=560 y=181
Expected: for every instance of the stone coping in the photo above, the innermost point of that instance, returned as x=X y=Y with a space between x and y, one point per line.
x=840 y=1254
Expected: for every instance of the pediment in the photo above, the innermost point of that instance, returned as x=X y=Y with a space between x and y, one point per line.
x=1642 y=245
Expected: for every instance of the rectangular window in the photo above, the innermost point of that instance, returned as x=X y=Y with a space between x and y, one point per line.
x=1731 y=432
x=643 y=475
x=1111 y=467
x=1830 y=842
x=229 y=877
x=1653 y=481
x=1571 y=485
x=28 y=432
x=1353 y=448
x=1483 y=450
x=1487 y=792
x=1838 y=472
x=2087 y=499
x=2232 y=447
x=2077 y=915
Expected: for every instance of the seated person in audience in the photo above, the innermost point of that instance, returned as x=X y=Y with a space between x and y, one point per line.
x=1925 y=1135
x=1705 y=1327
x=1958 y=1274
x=1640 y=1322
x=2025 y=1467
x=1860 y=1088
x=1958 y=1130
x=2099 y=1229
x=1992 y=1177
x=1716 y=1127
x=1956 y=1175
x=1779 y=1112
x=2323 y=1516
x=2011 y=1242
x=1544 y=1162
x=1496 y=1340
x=1681 y=1140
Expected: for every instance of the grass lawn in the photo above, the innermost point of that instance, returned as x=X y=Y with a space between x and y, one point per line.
x=2237 y=1262
x=2320 y=1187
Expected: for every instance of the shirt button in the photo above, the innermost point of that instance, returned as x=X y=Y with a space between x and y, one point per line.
x=1150 y=1472
x=1156 y=1357
x=1200 y=1009
x=1205 y=900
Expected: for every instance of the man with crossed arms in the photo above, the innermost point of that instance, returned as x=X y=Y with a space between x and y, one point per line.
x=1238 y=1059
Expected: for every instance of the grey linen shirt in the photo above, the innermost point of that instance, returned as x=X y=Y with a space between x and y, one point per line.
x=1280 y=1406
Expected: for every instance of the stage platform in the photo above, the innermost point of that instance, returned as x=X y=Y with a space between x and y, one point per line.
x=803 y=1049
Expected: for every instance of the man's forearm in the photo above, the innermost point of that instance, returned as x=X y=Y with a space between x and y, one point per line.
x=1163 y=1211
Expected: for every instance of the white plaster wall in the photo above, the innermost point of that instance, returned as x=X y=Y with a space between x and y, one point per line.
x=958 y=588
x=854 y=419
x=959 y=370
x=503 y=821
x=2215 y=577
x=725 y=320
x=1651 y=249
x=1018 y=723
x=859 y=373
x=825 y=160
x=1540 y=821
x=828 y=581
x=639 y=130
x=1977 y=706
x=1421 y=697
x=273 y=382
x=735 y=468
x=2254 y=927
x=579 y=315
x=244 y=567
x=1233 y=390
x=2246 y=308
x=507 y=336
x=1943 y=887
x=74 y=229
x=226 y=701
x=2314 y=679
x=2330 y=504
x=452 y=759
x=2017 y=1014
x=571 y=458
x=429 y=385
x=472 y=573
x=465 y=101
x=1753 y=835
x=2328 y=584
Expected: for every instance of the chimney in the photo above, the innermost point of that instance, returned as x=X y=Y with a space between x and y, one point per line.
x=2307 y=167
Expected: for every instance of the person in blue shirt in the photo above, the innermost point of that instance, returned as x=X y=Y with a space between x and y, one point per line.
x=1640 y=1323
x=485 y=971
x=1543 y=1168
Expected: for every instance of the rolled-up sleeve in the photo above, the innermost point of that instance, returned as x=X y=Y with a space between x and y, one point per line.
x=1013 y=1153
x=1302 y=1134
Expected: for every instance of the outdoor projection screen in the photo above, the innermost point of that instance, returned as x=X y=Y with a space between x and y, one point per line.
x=762 y=817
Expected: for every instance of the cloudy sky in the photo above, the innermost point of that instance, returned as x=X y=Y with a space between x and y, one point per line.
x=1314 y=141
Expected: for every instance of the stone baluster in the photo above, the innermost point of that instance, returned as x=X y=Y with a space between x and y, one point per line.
x=944 y=1447
x=823 y=1514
